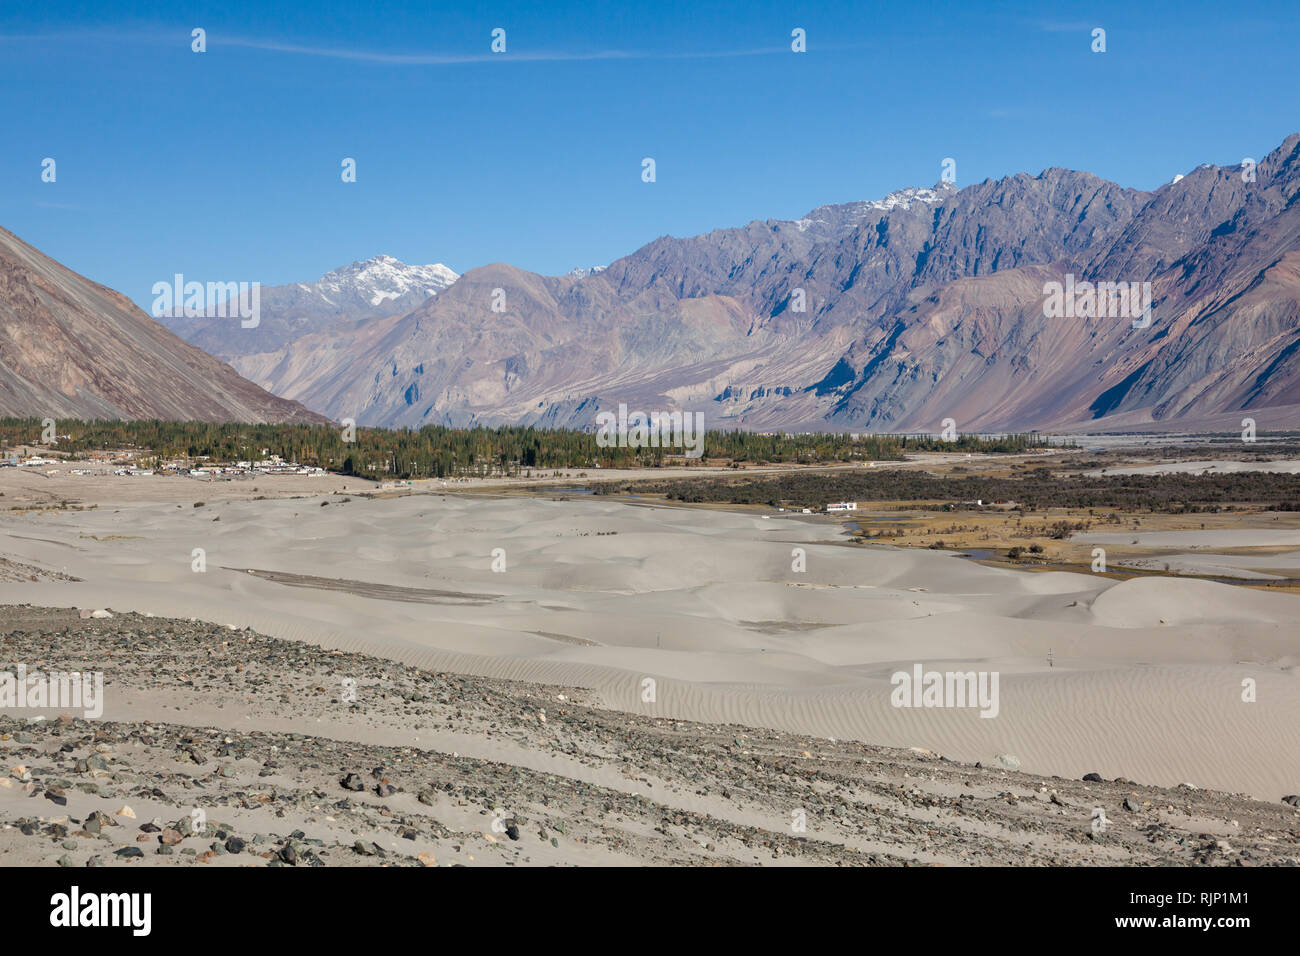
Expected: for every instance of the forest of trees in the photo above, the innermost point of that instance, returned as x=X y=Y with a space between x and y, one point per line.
x=439 y=452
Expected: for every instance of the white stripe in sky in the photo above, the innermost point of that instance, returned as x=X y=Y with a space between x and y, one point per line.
x=216 y=41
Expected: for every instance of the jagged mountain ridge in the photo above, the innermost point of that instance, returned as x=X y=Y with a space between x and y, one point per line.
x=364 y=290
x=923 y=306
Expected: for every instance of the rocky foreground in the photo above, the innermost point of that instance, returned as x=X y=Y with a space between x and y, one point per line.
x=221 y=747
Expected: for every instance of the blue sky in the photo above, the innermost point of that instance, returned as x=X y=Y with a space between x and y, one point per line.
x=226 y=165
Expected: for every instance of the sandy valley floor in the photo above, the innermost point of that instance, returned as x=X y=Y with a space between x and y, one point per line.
x=1140 y=679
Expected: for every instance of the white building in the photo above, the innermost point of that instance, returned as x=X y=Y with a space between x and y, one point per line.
x=842 y=506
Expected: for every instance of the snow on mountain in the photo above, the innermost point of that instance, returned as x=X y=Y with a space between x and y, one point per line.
x=841 y=214
x=370 y=289
x=380 y=279
x=905 y=198
x=583 y=273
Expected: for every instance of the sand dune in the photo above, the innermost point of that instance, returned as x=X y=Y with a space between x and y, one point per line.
x=1145 y=677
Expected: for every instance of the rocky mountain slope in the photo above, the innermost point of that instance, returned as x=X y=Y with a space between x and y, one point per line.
x=369 y=289
x=885 y=315
x=72 y=348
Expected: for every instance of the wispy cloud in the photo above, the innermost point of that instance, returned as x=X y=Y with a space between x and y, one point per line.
x=436 y=59
x=216 y=41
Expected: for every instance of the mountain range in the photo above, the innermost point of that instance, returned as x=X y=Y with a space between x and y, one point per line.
x=922 y=306
x=369 y=289
x=885 y=315
x=71 y=348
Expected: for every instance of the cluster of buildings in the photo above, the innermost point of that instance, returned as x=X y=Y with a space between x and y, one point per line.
x=200 y=468
x=832 y=508
x=34 y=461
x=125 y=465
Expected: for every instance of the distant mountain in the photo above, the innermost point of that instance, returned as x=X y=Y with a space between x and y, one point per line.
x=369 y=289
x=583 y=273
x=891 y=314
x=1222 y=255
x=708 y=323
x=72 y=348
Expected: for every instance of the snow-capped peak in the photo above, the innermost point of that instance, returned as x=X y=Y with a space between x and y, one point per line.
x=384 y=278
x=904 y=198
x=851 y=212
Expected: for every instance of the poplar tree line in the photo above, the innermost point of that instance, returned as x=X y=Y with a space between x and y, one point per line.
x=436 y=451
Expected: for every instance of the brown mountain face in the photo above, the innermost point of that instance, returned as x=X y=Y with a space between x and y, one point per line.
x=70 y=348
x=1222 y=256
x=924 y=306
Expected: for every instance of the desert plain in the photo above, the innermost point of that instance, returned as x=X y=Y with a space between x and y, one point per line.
x=742 y=648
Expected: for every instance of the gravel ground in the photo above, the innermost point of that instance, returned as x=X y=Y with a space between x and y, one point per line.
x=221 y=747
